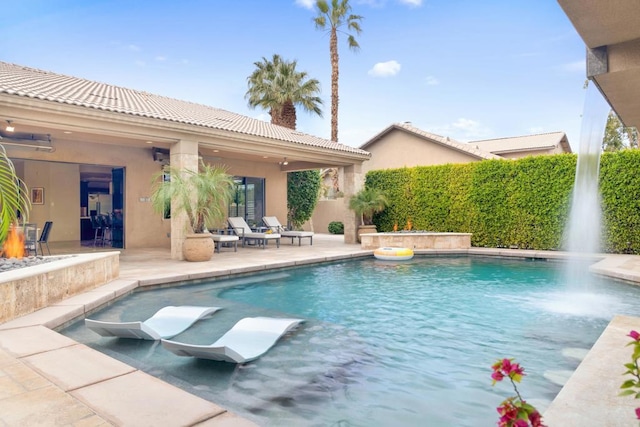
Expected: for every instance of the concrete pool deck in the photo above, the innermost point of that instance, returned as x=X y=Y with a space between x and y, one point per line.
x=49 y=379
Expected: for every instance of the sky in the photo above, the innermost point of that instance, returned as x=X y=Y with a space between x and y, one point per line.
x=466 y=69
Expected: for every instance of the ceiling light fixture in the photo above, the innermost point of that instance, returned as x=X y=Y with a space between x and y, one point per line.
x=9 y=128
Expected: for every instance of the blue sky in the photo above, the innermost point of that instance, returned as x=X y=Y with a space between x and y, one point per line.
x=466 y=69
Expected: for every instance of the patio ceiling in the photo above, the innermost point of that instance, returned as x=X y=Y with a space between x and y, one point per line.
x=611 y=31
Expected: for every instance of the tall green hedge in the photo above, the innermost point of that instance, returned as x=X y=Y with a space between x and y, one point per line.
x=523 y=203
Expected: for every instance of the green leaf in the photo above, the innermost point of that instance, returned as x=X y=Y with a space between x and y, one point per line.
x=626 y=393
x=628 y=384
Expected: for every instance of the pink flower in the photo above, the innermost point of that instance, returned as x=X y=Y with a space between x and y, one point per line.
x=497 y=376
x=635 y=335
x=638 y=413
x=508 y=413
x=536 y=419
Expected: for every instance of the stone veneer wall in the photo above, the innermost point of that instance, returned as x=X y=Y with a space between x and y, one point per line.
x=29 y=289
x=416 y=240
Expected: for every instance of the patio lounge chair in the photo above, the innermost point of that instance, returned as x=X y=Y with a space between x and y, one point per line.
x=273 y=223
x=166 y=323
x=244 y=232
x=249 y=339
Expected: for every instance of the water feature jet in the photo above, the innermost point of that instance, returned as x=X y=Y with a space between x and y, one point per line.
x=582 y=235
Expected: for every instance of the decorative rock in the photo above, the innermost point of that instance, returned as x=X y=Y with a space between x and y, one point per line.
x=7 y=264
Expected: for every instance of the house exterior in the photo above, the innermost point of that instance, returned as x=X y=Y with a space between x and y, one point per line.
x=611 y=32
x=404 y=145
x=516 y=147
x=91 y=147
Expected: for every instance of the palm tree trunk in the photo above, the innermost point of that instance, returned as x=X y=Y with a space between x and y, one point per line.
x=288 y=115
x=333 y=47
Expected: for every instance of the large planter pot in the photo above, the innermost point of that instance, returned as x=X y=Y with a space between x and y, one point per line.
x=365 y=229
x=198 y=247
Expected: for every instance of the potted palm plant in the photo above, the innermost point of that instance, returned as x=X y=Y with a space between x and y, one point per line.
x=365 y=203
x=202 y=195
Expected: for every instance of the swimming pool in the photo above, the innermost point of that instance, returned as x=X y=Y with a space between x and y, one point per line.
x=385 y=343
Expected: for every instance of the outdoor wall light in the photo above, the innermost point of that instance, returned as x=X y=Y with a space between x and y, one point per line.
x=9 y=128
x=284 y=162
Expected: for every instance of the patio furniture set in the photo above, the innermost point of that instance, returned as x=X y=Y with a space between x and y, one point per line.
x=240 y=231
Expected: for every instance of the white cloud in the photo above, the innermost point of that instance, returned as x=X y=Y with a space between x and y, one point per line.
x=536 y=129
x=462 y=130
x=307 y=4
x=161 y=58
x=412 y=3
x=432 y=81
x=385 y=69
x=134 y=48
x=466 y=124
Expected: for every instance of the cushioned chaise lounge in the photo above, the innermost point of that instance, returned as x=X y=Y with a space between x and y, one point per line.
x=273 y=223
x=166 y=323
x=244 y=232
x=249 y=339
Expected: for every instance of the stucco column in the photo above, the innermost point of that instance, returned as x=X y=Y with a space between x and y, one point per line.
x=353 y=182
x=184 y=156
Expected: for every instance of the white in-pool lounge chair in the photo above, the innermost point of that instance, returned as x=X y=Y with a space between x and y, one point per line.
x=249 y=339
x=244 y=232
x=273 y=223
x=166 y=323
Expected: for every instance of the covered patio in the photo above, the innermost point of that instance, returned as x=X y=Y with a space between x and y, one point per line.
x=78 y=140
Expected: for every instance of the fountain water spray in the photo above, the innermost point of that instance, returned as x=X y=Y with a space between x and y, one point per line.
x=582 y=236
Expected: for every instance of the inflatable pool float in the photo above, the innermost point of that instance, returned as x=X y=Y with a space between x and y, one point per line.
x=393 y=254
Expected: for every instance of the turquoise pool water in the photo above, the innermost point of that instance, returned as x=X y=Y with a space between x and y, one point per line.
x=384 y=344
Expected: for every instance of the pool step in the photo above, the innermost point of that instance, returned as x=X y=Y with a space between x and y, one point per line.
x=559 y=377
x=575 y=353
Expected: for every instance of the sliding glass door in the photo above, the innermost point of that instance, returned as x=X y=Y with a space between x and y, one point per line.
x=248 y=200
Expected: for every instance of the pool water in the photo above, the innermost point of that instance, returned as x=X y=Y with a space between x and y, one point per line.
x=384 y=343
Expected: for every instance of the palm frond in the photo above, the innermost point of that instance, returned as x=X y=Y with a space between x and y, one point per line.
x=13 y=195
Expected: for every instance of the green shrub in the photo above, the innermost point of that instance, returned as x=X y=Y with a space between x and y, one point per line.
x=303 y=190
x=505 y=203
x=336 y=227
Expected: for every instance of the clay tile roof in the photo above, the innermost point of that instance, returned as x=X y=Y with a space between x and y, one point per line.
x=33 y=83
x=524 y=143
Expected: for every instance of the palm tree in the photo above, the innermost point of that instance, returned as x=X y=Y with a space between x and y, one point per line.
x=367 y=202
x=277 y=86
x=333 y=18
x=13 y=195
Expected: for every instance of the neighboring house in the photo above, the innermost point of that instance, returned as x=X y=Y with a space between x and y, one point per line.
x=516 y=147
x=91 y=147
x=403 y=145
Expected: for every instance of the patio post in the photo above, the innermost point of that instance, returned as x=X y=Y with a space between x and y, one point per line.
x=353 y=182
x=184 y=156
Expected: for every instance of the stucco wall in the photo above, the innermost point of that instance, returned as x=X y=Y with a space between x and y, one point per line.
x=61 y=184
x=399 y=149
x=327 y=211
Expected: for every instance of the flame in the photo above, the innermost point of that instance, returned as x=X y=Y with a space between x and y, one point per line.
x=14 y=245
